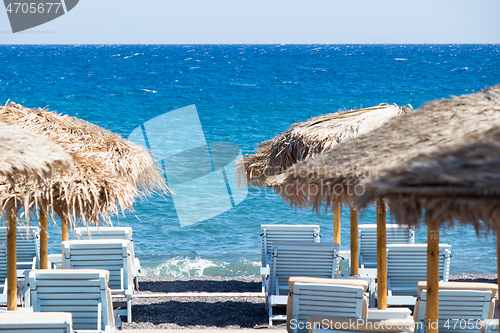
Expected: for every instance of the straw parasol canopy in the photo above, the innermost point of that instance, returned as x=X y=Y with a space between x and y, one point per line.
x=314 y=136
x=29 y=155
x=27 y=161
x=460 y=183
x=111 y=172
x=337 y=176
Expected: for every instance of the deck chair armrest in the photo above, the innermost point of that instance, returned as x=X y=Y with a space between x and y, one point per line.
x=389 y=287
x=5 y=287
x=99 y=314
x=265 y=271
x=361 y=261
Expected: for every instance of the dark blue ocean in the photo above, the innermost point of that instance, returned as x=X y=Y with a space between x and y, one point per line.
x=244 y=94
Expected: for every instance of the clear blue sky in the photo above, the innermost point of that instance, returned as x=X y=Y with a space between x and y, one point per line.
x=266 y=21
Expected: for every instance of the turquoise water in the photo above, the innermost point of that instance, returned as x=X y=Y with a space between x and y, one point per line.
x=244 y=94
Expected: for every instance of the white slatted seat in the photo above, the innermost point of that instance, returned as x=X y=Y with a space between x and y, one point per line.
x=83 y=293
x=285 y=233
x=112 y=255
x=460 y=303
x=34 y=322
x=124 y=233
x=327 y=324
x=407 y=265
x=318 y=260
x=396 y=234
x=28 y=247
x=325 y=297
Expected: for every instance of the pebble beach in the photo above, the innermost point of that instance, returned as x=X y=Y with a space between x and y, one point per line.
x=213 y=312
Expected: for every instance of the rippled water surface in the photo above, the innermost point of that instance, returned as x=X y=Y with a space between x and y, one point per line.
x=244 y=94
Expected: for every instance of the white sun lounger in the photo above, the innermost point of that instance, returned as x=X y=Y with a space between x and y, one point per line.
x=325 y=324
x=112 y=255
x=406 y=266
x=124 y=233
x=396 y=234
x=28 y=247
x=24 y=322
x=285 y=233
x=460 y=304
x=318 y=260
x=83 y=293
x=325 y=297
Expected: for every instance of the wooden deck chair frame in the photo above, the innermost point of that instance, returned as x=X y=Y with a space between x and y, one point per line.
x=97 y=254
x=319 y=260
x=55 y=322
x=367 y=240
x=124 y=233
x=326 y=300
x=283 y=233
x=457 y=309
x=408 y=262
x=47 y=294
x=28 y=247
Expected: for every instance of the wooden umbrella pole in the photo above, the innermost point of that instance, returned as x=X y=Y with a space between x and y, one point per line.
x=11 y=261
x=44 y=222
x=381 y=255
x=354 y=243
x=64 y=230
x=336 y=223
x=432 y=276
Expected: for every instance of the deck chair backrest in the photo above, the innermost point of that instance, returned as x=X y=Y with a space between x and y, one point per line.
x=3 y=263
x=285 y=233
x=456 y=308
x=325 y=300
x=301 y=259
x=96 y=233
x=27 y=243
x=407 y=264
x=30 y=322
x=112 y=255
x=396 y=234
x=83 y=293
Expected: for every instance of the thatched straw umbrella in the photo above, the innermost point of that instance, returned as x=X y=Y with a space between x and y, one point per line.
x=25 y=156
x=305 y=140
x=338 y=175
x=459 y=184
x=111 y=171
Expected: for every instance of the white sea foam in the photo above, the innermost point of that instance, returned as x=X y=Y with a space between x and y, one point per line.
x=400 y=59
x=184 y=266
x=460 y=69
x=148 y=90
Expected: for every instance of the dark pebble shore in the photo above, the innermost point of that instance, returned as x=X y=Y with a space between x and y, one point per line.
x=214 y=312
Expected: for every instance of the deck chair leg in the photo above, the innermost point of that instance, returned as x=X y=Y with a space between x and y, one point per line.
x=129 y=310
x=270 y=316
x=136 y=283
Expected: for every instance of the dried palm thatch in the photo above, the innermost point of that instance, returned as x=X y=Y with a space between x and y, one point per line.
x=30 y=155
x=458 y=184
x=314 y=136
x=337 y=176
x=27 y=161
x=111 y=171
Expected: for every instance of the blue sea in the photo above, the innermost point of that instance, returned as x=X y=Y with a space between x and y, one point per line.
x=244 y=94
